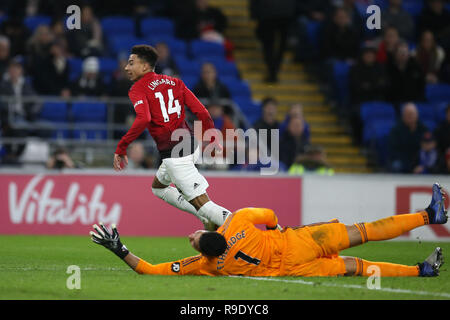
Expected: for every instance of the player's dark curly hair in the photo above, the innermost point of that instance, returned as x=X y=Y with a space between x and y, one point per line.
x=212 y=244
x=146 y=53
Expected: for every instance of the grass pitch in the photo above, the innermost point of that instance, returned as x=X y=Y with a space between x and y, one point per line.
x=35 y=267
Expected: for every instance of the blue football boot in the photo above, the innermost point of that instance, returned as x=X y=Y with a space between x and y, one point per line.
x=436 y=210
x=430 y=267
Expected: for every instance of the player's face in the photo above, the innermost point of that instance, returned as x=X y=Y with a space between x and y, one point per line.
x=135 y=67
x=194 y=239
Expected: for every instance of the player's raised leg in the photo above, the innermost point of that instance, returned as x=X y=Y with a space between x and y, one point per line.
x=394 y=226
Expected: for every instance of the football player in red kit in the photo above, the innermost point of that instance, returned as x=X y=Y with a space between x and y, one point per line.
x=159 y=102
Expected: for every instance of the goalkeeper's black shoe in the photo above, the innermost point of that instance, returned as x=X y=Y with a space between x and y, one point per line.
x=436 y=209
x=430 y=267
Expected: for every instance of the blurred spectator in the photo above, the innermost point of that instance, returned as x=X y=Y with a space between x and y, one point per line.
x=442 y=132
x=368 y=81
x=308 y=12
x=4 y=54
x=293 y=142
x=17 y=33
x=60 y=160
x=355 y=18
x=340 y=40
x=314 y=160
x=38 y=47
x=209 y=86
x=407 y=81
x=387 y=45
x=197 y=19
x=430 y=56
x=394 y=15
x=90 y=83
x=15 y=86
x=296 y=111
x=427 y=160
x=120 y=85
x=166 y=64
x=51 y=75
x=88 y=41
x=253 y=162
x=436 y=18
x=268 y=120
x=136 y=156
x=274 y=19
x=404 y=140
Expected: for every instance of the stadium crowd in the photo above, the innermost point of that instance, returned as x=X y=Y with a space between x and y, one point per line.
x=395 y=65
x=380 y=77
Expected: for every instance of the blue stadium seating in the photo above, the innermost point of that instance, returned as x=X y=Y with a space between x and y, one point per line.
x=250 y=109
x=75 y=68
x=57 y=113
x=438 y=92
x=123 y=43
x=187 y=67
x=224 y=67
x=157 y=26
x=341 y=71
x=176 y=46
x=313 y=32
x=33 y=22
x=90 y=113
x=200 y=49
x=118 y=25
x=237 y=87
x=377 y=110
x=441 y=111
x=190 y=81
x=377 y=129
x=427 y=111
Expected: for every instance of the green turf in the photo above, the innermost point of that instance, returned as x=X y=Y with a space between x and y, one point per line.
x=34 y=267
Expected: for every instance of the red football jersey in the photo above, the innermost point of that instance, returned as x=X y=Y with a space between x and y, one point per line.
x=159 y=102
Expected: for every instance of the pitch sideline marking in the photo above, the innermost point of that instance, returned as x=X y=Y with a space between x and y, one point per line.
x=352 y=286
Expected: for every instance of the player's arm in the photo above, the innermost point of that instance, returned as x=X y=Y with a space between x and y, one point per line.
x=259 y=216
x=110 y=239
x=141 y=121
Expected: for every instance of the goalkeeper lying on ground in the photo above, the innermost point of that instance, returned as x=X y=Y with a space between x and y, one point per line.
x=239 y=248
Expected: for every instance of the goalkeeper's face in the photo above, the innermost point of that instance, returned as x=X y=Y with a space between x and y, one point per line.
x=136 y=67
x=194 y=239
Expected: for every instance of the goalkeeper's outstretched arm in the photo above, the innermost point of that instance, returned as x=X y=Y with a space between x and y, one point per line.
x=111 y=241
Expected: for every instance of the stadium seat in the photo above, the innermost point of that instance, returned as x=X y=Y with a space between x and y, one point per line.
x=437 y=92
x=176 y=46
x=34 y=21
x=118 y=25
x=427 y=111
x=89 y=113
x=413 y=7
x=75 y=68
x=157 y=26
x=187 y=67
x=313 y=32
x=190 y=81
x=376 y=110
x=237 y=88
x=250 y=109
x=205 y=49
x=108 y=65
x=55 y=113
x=341 y=71
x=430 y=124
x=375 y=136
x=122 y=43
x=224 y=68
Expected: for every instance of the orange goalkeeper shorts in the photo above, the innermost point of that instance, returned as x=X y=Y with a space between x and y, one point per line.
x=313 y=250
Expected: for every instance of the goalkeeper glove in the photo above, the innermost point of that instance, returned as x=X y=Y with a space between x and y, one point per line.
x=110 y=240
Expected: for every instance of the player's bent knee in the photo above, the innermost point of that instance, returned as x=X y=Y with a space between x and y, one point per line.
x=157 y=184
x=159 y=192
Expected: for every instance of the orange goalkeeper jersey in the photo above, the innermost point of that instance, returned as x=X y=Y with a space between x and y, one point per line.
x=250 y=251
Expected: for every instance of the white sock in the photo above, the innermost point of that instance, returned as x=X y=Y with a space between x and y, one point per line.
x=172 y=196
x=214 y=213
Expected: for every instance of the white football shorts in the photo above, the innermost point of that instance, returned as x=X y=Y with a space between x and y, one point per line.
x=183 y=173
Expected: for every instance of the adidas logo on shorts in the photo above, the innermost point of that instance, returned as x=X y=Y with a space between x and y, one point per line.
x=196 y=185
